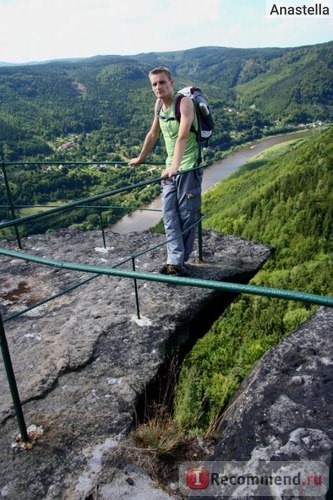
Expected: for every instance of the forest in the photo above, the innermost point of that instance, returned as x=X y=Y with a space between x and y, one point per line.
x=284 y=198
x=101 y=107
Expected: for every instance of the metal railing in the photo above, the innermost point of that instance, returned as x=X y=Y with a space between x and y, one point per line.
x=115 y=271
x=81 y=203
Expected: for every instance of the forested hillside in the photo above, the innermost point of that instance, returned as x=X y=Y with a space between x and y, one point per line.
x=101 y=107
x=297 y=86
x=284 y=198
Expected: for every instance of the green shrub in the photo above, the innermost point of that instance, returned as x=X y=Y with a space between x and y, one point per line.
x=283 y=200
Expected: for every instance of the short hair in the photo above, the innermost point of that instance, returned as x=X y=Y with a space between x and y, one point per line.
x=161 y=69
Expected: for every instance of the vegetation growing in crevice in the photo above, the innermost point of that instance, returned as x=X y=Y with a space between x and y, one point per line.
x=282 y=198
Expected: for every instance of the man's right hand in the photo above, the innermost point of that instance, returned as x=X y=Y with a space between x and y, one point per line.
x=134 y=162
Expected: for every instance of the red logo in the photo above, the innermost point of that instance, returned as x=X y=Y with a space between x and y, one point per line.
x=197 y=478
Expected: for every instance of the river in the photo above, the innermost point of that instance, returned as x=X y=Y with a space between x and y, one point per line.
x=139 y=220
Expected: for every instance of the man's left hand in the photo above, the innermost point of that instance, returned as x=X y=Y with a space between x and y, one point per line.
x=169 y=172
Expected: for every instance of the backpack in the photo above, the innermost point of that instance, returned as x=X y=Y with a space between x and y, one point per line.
x=204 y=116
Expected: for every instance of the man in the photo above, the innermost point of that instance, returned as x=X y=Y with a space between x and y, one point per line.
x=181 y=192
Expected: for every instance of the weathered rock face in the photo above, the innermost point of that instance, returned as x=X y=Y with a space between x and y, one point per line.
x=83 y=359
x=283 y=410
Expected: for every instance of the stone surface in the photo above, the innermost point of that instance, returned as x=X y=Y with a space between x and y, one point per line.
x=83 y=360
x=283 y=410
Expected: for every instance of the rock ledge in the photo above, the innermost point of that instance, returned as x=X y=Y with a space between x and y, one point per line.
x=83 y=359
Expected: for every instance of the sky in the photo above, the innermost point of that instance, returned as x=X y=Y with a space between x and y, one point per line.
x=39 y=30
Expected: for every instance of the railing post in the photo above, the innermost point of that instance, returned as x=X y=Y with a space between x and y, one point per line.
x=136 y=290
x=200 y=251
x=102 y=227
x=12 y=383
x=10 y=201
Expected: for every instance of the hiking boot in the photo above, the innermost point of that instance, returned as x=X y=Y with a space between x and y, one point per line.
x=174 y=269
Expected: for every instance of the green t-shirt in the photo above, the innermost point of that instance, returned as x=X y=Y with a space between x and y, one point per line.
x=169 y=127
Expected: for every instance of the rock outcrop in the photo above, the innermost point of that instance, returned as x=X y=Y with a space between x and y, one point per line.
x=83 y=360
x=283 y=409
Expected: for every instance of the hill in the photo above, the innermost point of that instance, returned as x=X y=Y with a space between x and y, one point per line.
x=282 y=198
x=297 y=85
x=104 y=103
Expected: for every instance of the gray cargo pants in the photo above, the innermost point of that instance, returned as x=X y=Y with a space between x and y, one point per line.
x=181 y=208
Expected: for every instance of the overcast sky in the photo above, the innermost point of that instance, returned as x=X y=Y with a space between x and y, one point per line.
x=37 y=30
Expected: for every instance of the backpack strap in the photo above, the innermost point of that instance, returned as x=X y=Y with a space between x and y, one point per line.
x=179 y=97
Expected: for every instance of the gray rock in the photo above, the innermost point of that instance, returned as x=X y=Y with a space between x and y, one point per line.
x=283 y=409
x=83 y=360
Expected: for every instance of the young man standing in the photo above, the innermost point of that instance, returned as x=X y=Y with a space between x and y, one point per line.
x=181 y=188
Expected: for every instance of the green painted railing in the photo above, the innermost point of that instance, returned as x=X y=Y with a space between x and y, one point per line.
x=277 y=293
x=115 y=271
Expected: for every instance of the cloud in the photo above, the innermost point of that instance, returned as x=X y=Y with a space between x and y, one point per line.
x=50 y=29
